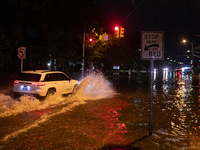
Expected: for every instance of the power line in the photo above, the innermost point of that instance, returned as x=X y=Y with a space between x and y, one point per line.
x=134 y=10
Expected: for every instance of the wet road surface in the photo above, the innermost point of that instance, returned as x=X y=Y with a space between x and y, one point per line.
x=100 y=116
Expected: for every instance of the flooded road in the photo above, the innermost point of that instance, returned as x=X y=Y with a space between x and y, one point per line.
x=109 y=112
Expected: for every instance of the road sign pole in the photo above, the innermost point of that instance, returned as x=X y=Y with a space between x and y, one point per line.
x=151 y=97
x=21 y=64
x=152 y=48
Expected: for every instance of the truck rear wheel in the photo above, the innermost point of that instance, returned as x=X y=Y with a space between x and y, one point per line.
x=50 y=92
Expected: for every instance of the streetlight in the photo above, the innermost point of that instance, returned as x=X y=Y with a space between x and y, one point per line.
x=192 y=50
x=184 y=41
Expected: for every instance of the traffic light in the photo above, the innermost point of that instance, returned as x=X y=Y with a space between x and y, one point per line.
x=116 y=28
x=91 y=42
x=121 y=32
x=90 y=39
x=117 y=31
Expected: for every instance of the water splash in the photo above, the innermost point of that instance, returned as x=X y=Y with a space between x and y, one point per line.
x=92 y=87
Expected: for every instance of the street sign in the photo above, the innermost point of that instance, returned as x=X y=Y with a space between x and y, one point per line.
x=152 y=46
x=22 y=55
x=22 y=52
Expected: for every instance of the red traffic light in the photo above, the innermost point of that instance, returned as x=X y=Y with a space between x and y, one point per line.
x=117 y=31
x=90 y=39
x=116 y=28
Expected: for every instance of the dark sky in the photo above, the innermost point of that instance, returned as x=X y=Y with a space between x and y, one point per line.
x=177 y=18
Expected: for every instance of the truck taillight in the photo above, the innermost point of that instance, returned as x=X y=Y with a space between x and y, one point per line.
x=41 y=84
x=38 y=84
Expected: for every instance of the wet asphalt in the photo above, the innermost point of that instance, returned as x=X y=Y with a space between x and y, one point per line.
x=120 y=122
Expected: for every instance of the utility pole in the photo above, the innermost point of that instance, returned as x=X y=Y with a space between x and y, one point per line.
x=192 y=57
x=83 y=60
x=192 y=51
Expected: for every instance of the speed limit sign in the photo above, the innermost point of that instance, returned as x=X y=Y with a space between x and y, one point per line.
x=22 y=52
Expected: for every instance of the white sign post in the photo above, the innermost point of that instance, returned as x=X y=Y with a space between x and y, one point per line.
x=22 y=55
x=152 y=48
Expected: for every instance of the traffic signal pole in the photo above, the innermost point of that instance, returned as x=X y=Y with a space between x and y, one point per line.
x=83 y=59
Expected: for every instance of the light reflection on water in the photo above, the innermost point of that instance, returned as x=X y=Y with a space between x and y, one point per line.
x=182 y=109
x=175 y=110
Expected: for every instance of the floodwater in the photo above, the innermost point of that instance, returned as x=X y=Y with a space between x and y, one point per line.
x=109 y=112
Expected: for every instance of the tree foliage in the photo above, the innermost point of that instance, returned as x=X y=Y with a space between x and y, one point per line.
x=99 y=45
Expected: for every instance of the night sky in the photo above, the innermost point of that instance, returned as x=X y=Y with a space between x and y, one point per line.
x=177 y=18
x=23 y=24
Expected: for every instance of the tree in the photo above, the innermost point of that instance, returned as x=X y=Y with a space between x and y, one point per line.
x=98 y=46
